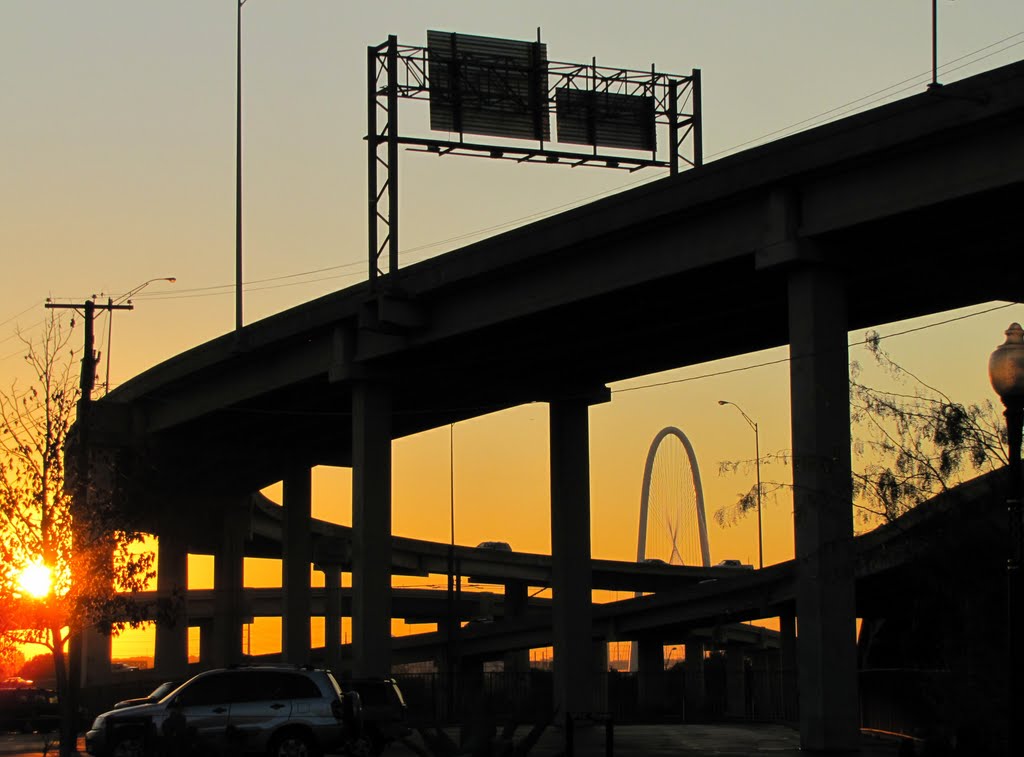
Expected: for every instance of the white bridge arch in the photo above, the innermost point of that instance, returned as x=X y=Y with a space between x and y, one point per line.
x=645 y=494
x=645 y=497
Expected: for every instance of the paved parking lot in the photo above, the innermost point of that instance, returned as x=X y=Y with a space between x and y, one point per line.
x=681 y=741
x=629 y=741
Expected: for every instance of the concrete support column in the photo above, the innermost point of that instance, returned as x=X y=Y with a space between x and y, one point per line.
x=570 y=556
x=735 y=683
x=822 y=510
x=788 y=667
x=371 y=530
x=228 y=576
x=760 y=685
x=96 y=655
x=600 y=697
x=516 y=600
x=694 y=681
x=296 y=557
x=171 y=652
x=650 y=675
x=332 y=617
x=206 y=644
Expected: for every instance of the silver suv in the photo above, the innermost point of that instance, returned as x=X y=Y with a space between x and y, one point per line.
x=270 y=710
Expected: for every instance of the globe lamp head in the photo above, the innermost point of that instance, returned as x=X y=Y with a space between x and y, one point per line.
x=1006 y=366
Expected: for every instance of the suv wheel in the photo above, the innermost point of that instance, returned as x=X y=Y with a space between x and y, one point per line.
x=293 y=744
x=360 y=747
x=129 y=745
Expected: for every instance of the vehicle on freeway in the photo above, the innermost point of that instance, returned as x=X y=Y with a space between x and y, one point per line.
x=154 y=696
x=28 y=708
x=274 y=710
x=384 y=712
x=734 y=564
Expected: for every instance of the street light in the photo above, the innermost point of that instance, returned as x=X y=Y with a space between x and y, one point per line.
x=1006 y=372
x=757 y=464
x=126 y=297
x=238 y=170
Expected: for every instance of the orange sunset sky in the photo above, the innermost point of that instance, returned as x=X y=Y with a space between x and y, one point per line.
x=118 y=135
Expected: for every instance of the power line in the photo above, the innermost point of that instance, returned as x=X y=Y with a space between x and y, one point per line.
x=917 y=80
x=818 y=119
x=787 y=359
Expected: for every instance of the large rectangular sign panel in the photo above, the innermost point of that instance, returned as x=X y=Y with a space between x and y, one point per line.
x=486 y=85
x=608 y=119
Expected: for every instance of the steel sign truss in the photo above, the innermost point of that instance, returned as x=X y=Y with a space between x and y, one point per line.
x=507 y=89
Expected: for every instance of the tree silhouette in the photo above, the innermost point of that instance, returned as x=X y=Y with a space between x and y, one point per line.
x=88 y=549
x=910 y=443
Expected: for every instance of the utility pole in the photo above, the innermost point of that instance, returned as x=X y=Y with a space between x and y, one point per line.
x=80 y=500
x=89 y=360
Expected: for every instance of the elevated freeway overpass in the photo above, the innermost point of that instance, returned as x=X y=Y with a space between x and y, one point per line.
x=900 y=211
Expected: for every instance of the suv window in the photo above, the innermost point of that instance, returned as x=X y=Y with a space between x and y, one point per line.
x=260 y=685
x=211 y=689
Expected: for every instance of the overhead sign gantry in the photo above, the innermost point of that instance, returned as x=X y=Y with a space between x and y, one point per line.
x=506 y=90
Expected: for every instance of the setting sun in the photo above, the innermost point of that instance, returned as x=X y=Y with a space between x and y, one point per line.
x=35 y=580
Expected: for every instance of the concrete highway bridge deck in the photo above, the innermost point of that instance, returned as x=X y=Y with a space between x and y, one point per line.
x=606 y=292
x=904 y=210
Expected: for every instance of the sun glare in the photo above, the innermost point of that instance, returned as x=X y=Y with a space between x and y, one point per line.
x=35 y=580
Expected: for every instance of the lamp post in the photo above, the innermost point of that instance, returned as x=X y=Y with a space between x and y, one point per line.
x=757 y=465
x=110 y=318
x=1006 y=372
x=238 y=169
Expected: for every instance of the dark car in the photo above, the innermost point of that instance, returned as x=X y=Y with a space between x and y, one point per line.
x=154 y=696
x=383 y=712
x=273 y=710
x=28 y=708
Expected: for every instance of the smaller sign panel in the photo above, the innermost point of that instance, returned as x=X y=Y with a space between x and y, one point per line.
x=608 y=119
x=486 y=85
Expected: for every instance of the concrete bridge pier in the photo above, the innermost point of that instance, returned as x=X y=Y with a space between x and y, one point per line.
x=650 y=675
x=206 y=645
x=735 y=682
x=822 y=509
x=788 y=661
x=371 y=529
x=332 y=616
x=96 y=651
x=228 y=577
x=170 y=657
x=694 y=686
x=516 y=599
x=296 y=550
x=574 y=678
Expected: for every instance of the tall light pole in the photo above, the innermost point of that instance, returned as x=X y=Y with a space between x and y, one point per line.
x=238 y=170
x=757 y=464
x=1006 y=372
x=126 y=297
